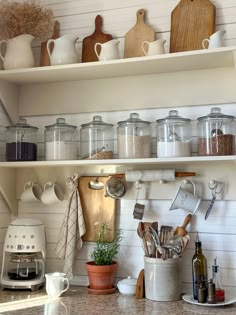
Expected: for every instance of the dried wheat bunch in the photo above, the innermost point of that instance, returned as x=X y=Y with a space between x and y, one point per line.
x=28 y=17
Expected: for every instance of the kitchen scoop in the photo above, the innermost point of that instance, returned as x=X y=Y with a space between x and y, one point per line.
x=181 y=230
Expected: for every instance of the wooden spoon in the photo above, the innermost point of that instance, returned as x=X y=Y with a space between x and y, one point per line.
x=141 y=234
x=181 y=230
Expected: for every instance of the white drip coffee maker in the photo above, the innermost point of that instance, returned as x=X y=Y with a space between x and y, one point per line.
x=23 y=265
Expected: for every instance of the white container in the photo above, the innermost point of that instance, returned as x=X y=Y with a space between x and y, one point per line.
x=127 y=286
x=162 y=279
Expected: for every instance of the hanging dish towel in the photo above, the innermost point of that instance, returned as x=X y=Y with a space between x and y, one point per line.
x=72 y=229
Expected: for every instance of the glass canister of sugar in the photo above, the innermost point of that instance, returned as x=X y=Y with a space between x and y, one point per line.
x=216 y=133
x=21 y=142
x=173 y=136
x=60 y=141
x=134 y=138
x=97 y=140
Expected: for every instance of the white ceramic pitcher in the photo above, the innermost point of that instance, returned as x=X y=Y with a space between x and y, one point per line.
x=216 y=40
x=19 y=52
x=109 y=50
x=154 y=48
x=64 y=51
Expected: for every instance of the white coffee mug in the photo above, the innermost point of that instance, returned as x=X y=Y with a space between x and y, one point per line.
x=52 y=193
x=32 y=192
x=216 y=40
x=55 y=284
x=185 y=199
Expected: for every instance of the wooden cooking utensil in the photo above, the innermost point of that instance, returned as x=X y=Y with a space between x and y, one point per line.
x=88 y=52
x=191 y=22
x=140 y=286
x=141 y=234
x=44 y=58
x=181 y=230
x=135 y=37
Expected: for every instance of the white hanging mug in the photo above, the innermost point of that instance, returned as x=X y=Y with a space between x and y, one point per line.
x=32 y=192
x=154 y=48
x=216 y=40
x=55 y=284
x=52 y=193
x=109 y=50
x=185 y=199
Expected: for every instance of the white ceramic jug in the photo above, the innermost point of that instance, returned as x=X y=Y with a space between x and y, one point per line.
x=154 y=48
x=64 y=51
x=19 y=52
x=216 y=40
x=109 y=50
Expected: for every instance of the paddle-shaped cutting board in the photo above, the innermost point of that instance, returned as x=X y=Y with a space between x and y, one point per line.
x=191 y=22
x=88 y=53
x=135 y=37
x=97 y=208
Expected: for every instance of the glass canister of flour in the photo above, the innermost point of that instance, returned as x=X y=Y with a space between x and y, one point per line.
x=173 y=136
x=97 y=139
x=216 y=133
x=21 y=142
x=134 y=138
x=60 y=141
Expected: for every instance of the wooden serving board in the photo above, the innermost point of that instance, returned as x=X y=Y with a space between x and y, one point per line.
x=88 y=53
x=135 y=37
x=97 y=208
x=191 y=22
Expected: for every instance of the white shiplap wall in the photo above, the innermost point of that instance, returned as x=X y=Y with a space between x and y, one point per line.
x=218 y=234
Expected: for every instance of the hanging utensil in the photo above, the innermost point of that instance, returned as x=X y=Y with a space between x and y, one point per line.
x=216 y=188
x=138 y=207
x=115 y=187
x=97 y=185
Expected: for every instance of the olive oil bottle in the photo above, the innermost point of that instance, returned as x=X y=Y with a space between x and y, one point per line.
x=199 y=268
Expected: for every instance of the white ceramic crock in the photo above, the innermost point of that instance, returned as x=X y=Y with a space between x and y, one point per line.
x=127 y=286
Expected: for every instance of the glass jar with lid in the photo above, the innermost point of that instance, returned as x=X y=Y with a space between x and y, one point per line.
x=60 y=141
x=173 y=136
x=216 y=133
x=134 y=138
x=97 y=139
x=21 y=142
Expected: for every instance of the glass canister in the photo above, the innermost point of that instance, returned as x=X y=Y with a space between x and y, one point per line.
x=60 y=141
x=173 y=136
x=134 y=138
x=21 y=142
x=216 y=133
x=97 y=139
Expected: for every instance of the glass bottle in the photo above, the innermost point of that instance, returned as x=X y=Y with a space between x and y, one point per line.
x=199 y=268
x=220 y=293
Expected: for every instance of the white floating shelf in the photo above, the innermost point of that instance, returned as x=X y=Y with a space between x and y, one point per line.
x=183 y=61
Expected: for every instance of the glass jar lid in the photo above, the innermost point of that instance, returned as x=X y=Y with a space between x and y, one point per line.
x=134 y=120
x=216 y=115
x=60 y=124
x=96 y=122
x=21 y=124
x=173 y=118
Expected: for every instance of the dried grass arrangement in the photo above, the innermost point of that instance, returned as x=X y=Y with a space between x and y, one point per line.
x=27 y=17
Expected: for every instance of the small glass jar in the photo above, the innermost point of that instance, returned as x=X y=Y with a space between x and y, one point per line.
x=173 y=136
x=134 y=138
x=21 y=142
x=216 y=134
x=97 y=140
x=60 y=141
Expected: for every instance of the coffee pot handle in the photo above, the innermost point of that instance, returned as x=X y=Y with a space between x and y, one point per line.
x=2 y=42
x=95 y=49
x=49 y=42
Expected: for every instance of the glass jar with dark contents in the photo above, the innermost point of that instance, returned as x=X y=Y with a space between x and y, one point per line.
x=21 y=142
x=216 y=134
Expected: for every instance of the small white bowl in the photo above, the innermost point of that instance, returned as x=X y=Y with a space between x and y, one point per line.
x=127 y=286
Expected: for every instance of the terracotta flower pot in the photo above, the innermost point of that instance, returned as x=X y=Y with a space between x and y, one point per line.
x=101 y=277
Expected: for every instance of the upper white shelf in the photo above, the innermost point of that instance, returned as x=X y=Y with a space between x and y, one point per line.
x=184 y=61
x=123 y=162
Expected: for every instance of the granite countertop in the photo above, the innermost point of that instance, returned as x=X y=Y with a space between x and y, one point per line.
x=77 y=301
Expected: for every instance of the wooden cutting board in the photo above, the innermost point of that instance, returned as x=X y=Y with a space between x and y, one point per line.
x=97 y=208
x=44 y=58
x=191 y=22
x=135 y=37
x=88 y=53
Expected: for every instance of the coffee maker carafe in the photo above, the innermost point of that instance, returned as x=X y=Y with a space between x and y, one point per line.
x=23 y=265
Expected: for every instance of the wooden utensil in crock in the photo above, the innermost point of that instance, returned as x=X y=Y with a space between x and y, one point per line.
x=181 y=230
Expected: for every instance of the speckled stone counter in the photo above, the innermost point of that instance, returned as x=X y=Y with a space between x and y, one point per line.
x=77 y=301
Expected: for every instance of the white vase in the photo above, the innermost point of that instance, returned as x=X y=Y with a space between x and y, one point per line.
x=18 y=53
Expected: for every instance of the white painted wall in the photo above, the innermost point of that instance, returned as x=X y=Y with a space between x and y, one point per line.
x=218 y=232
